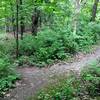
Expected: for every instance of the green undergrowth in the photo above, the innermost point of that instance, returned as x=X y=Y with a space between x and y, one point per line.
x=8 y=74
x=51 y=45
x=73 y=87
x=59 y=44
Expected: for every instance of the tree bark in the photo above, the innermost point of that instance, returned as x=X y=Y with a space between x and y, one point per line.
x=94 y=10
x=17 y=29
x=22 y=26
x=35 y=21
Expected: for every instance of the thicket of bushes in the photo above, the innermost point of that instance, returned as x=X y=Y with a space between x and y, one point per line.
x=50 y=45
x=85 y=87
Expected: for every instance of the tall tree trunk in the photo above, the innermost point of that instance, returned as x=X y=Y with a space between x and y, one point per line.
x=94 y=10
x=13 y=23
x=17 y=29
x=35 y=21
x=22 y=26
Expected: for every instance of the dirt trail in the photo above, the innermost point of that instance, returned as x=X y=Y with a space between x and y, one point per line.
x=33 y=78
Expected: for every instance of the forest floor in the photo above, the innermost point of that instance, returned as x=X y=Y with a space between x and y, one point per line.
x=34 y=78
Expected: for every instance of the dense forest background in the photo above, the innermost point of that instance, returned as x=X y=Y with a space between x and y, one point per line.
x=43 y=32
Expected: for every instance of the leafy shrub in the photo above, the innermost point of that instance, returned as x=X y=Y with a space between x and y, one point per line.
x=4 y=68
x=91 y=78
x=7 y=45
x=59 y=44
x=88 y=36
x=7 y=76
x=47 y=46
x=6 y=83
x=7 y=49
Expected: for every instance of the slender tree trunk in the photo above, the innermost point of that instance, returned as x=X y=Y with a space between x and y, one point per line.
x=94 y=10
x=22 y=26
x=17 y=29
x=13 y=22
